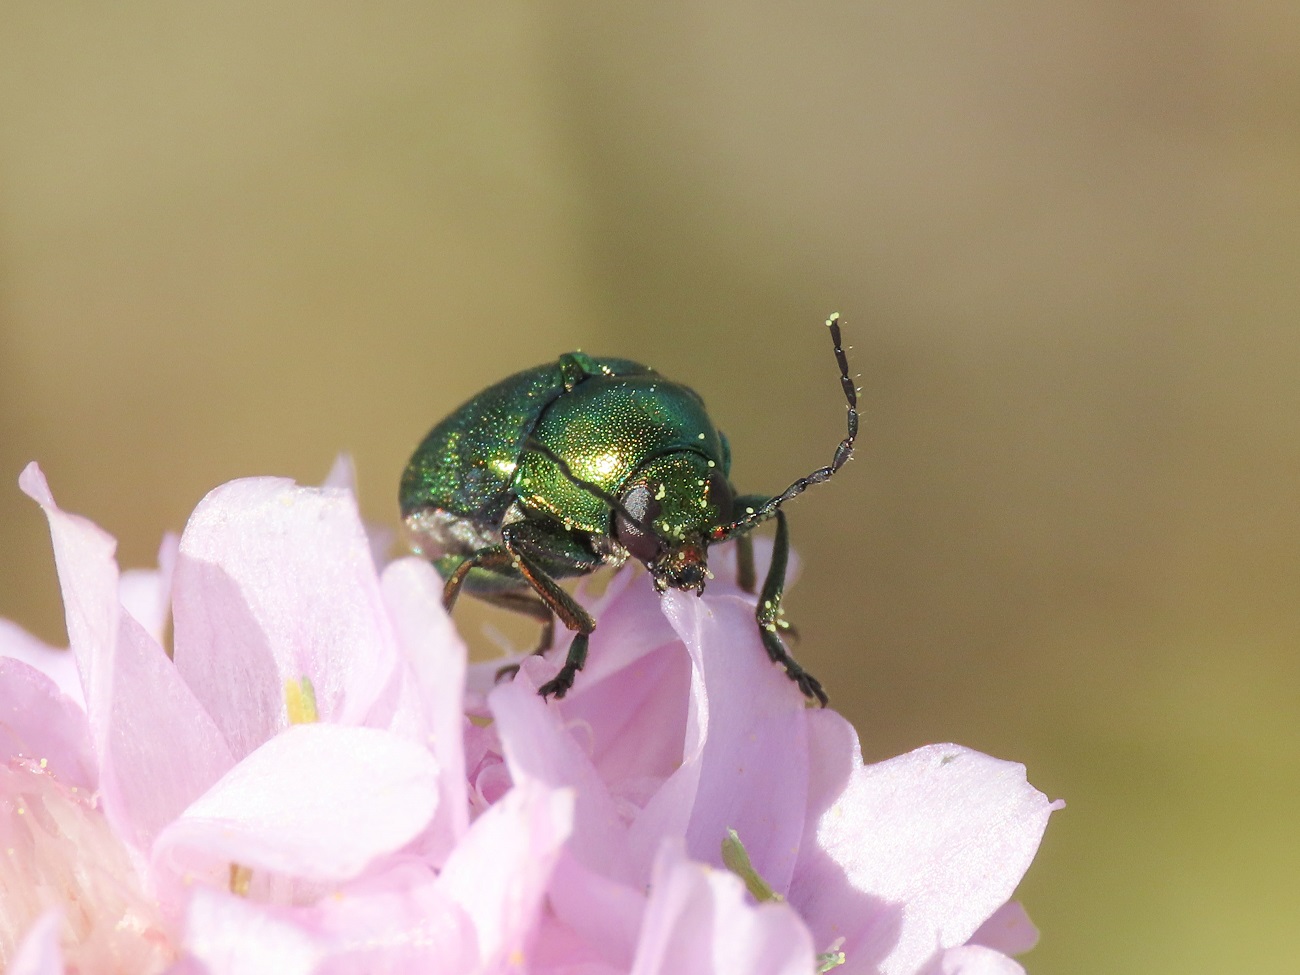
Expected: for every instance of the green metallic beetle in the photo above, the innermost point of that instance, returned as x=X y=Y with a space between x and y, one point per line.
x=575 y=465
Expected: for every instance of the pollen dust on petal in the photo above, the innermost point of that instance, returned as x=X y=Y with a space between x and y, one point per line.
x=58 y=850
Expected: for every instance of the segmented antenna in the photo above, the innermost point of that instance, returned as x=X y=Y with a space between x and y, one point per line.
x=842 y=453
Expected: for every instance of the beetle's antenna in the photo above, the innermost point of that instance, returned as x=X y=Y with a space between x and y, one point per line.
x=536 y=445
x=842 y=453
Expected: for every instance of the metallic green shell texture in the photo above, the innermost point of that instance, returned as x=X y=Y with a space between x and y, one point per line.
x=604 y=429
x=466 y=464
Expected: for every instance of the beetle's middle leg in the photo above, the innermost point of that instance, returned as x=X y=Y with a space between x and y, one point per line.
x=494 y=557
x=768 y=615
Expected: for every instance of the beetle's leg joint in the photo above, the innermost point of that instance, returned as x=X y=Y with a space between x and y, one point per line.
x=494 y=557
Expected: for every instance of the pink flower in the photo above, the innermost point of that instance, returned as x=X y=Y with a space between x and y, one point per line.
x=315 y=781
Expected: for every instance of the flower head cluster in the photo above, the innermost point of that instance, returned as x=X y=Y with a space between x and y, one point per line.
x=314 y=780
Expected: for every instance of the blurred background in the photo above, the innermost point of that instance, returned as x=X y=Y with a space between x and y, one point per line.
x=239 y=238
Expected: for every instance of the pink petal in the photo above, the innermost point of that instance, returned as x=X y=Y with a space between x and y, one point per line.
x=157 y=747
x=745 y=766
x=1009 y=930
x=396 y=921
x=559 y=950
x=147 y=593
x=631 y=626
x=631 y=699
x=698 y=922
x=605 y=914
x=914 y=853
x=39 y=952
x=343 y=475
x=40 y=724
x=276 y=583
x=436 y=661
x=88 y=577
x=538 y=748
x=975 y=960
x=499 y=872
x=59 y=665
x=59 y=852
x=234 y=936
x=392 y=922
x=317 y=802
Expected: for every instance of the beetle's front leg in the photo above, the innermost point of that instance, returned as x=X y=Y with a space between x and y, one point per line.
x=768 y=615
x=745 y=577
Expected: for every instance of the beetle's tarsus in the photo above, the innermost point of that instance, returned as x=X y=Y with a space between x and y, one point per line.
x=806 y=682
x=811 y=687
x=559 y=685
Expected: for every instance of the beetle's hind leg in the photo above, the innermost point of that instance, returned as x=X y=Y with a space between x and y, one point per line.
x=530 y=606
x=522 y=602
x=550 y=602
x=768 y=615
x=495 y=558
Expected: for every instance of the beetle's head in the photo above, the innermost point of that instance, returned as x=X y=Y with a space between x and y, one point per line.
x=680 y=496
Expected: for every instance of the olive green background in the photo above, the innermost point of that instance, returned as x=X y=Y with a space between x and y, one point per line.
x=237 y=238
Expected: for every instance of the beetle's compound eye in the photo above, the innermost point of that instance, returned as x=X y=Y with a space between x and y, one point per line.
x=639 y=500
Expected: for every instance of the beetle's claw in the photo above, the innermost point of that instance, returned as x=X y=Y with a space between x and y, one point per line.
x=810 y=685
x=559 y=686
x=812 y=688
